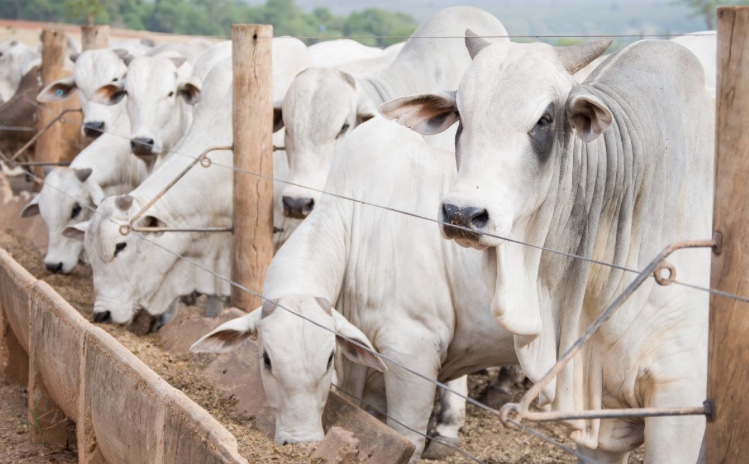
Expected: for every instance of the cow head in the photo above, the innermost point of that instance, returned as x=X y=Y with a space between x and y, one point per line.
x=321 y=106
x=130 y=271
x=93 y=69
x=16 y=59
x=296 y=358
x=67 y=198
x=158 y=103
x=517 y=105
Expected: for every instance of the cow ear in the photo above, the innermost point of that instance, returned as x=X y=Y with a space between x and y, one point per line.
x=124 y=55
x=31 y=208
x=588 y=115
x=229 y=335
x=110 y=94
x=346 y=333
x=190 y=92
x=76 y=231
x=97 y=194
x=427 y=114
x=277 y=116
x=56 y=91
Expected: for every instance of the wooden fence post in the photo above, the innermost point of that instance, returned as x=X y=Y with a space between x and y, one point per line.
x=252 y=116
x=728 y=360
x=49 y=146
x=93 y=37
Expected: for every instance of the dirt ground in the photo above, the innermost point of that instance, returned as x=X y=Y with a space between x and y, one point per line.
x=483 y=435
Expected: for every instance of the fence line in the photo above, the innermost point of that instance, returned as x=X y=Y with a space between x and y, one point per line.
x=741 y=298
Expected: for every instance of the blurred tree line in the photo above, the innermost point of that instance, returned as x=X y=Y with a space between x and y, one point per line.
x=215 y=17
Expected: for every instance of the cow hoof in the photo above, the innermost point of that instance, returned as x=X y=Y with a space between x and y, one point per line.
x=436 y=450
x=495 y=397
x=213 y=306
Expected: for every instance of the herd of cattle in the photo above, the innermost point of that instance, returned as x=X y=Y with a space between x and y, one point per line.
x=607 y=157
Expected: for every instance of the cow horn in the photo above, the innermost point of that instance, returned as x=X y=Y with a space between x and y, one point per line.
x=576 y=57
x=74 y=57
x=268 y=307
x=475 y=43
x=124 y=202
x=82 y=174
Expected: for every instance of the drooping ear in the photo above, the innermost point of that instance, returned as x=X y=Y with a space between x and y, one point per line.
x=229 y=335
x=427 y=114
x=56 y=91
x=588 y=115
x=97 y=194
x=76 y=231
x=475 y=43
x=31 y=208
x=576 y=57
x=110 y=94
x=346 y=332
x=178 y=60
x=190 y=91
x=277 y=116
x=82 y=174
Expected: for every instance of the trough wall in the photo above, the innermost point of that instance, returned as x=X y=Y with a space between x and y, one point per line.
x=86 y=387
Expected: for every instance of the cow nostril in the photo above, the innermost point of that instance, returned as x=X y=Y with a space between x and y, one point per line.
x=54 y=267
x=307 y=208
x=102 y=316
x=480 y=219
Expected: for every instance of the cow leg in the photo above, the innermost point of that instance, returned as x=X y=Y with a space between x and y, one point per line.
x=410 y=398
x=600 y=456
x=448 y=417
x=673 y=439
x=499 y=390
x=213 y=306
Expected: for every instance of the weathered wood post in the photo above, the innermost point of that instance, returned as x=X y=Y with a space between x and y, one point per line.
x=728 y=361
x=49 y=147
x=252 y=116
x=93 y=37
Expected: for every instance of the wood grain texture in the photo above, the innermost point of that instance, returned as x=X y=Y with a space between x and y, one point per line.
x=93 y=37
x=728 y=374
x=49 y=146
x=252 y=113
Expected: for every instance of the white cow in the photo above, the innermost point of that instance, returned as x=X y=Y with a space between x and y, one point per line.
x=114 y=258
x=703 y=44
x=160 y=101
x=324 y=104
x=134 y=271
x=614 y=169
x=16 y=59
x=393 y=282
x=69 y=194
x=335 y=52
x=93 y=69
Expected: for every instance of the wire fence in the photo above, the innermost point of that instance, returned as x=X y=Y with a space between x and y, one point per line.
x=641 y=274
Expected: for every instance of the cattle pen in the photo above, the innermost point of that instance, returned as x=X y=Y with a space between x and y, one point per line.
x=65 y=360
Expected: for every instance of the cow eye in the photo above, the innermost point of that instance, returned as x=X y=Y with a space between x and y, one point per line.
x=76 y=211
x=171 y=94
x=266 y=361
x=330 y=360
x=544 y=121
x=1 y=54
x=119 y=247
x=115 y=79
x=344 y=129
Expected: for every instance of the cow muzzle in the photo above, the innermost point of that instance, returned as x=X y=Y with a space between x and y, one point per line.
x=142 y=147
x=297 y=208
x=54 y=268
x=463 y=223
x=93 y=129
x=102 y=316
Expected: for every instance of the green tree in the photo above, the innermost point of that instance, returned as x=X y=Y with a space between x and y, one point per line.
x=89 y=9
